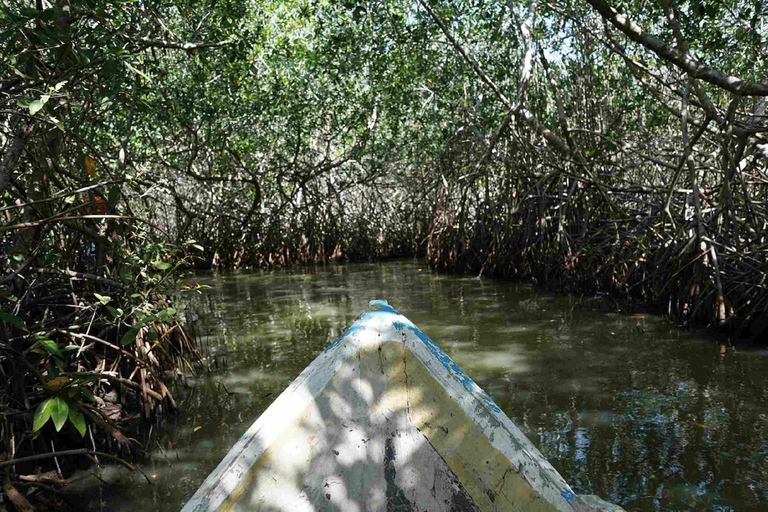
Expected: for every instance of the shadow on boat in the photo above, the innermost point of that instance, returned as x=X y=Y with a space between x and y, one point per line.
x=385 y=420
x=356 y=448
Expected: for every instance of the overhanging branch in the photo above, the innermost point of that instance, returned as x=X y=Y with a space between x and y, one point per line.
x=160 y=43
x=691 y=66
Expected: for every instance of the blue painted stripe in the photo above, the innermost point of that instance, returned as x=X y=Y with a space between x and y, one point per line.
x=381 y=309
x=452 y=367
x=377 y=308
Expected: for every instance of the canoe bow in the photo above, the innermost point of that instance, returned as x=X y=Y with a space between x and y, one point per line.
x=384 y=419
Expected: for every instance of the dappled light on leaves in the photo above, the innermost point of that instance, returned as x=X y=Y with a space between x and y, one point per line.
x=597 y=147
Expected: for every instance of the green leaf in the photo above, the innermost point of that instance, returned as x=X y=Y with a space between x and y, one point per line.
x=70 y=199
x=116 y=312
x=146 y=319
x=50 y=346
x=38 y=104
x=129 y=336
x=22 y=75
x=161 y=265
x=104 y=299
x=58 y=123
x=166 y=314
x=76 y=417
x=42 y=414
x=146 y=77
x=126 y=276
x=13 y=320
x=59 y=412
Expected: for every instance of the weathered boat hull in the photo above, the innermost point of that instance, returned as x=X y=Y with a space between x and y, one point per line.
x=384 y=420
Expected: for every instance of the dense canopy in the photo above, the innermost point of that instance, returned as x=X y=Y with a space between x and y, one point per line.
x=600 y=147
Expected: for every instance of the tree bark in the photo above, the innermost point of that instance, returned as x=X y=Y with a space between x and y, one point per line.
x=10 y=158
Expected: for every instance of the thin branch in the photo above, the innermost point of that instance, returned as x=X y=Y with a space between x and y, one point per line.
x=7 y=163
x=27 y=225
x=79 y=451
x=160 y=43
x=467 y=56
x=61 y=194
x=112 y=378
x=83 y=275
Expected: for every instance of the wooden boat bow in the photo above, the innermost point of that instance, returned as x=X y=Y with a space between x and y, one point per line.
x=385 y=420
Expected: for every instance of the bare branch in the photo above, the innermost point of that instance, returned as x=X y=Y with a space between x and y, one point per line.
x=472 y=62
x=159 y=43
x=9 y=160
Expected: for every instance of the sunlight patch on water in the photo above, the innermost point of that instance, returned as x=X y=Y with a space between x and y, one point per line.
x=492 y=360
x=513 y=329
x=250 y=376
x=599 y=417
x=582 y=384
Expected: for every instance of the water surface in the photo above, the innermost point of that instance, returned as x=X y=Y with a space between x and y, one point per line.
x=624 y=406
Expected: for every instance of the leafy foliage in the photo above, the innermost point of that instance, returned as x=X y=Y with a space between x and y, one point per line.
x=535 y=140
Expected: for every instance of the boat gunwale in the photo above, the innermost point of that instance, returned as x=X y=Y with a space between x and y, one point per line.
x=383 y=319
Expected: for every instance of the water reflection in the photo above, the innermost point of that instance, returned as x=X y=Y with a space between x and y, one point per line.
x=623 y=406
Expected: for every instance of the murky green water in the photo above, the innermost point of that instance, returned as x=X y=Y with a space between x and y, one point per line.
x=623 y=406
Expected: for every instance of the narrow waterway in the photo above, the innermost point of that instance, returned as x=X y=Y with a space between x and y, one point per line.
x=623 y=405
